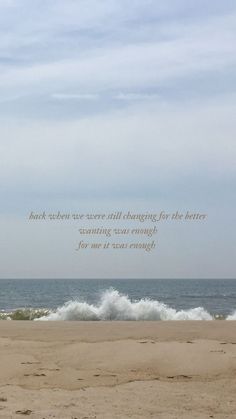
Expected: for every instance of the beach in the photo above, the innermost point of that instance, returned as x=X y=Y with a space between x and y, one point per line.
x=183 y=369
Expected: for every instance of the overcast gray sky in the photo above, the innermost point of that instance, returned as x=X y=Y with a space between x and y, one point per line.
x=110 y=105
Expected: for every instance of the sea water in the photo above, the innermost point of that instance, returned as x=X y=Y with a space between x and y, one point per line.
x=126 y=299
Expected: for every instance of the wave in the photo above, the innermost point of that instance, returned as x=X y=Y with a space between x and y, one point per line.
x=231 y=316
x=115 y=306
x=24 y=314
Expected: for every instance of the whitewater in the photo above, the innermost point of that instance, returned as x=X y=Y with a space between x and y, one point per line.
x=127 y=299
x=115 y=306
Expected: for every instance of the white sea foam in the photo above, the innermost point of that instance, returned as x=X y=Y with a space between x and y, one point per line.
x=231 y=316
x=115 y=306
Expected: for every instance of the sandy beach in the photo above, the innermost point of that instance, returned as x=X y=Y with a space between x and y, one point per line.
x=117 y=369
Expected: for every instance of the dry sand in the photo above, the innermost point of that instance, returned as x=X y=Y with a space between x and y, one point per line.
x=120 y=370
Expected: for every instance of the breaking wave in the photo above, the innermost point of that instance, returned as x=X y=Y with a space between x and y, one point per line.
x=24 y=314
x=115 y=306
x=232 y=316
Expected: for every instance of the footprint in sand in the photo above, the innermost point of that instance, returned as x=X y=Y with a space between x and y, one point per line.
x=30 y=363
x=35 y=375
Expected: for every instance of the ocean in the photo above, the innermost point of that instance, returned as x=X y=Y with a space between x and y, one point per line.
x=126 y=299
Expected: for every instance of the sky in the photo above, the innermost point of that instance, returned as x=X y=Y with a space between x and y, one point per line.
x=114 y=105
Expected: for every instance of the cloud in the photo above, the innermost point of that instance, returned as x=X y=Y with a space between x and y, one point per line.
x=136 y=96
x=138 y=90
x=73 y=51
x=75 y=96
x=132 y=151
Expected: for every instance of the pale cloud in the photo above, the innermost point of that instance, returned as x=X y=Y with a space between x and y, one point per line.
x=173 y=50
x=142 y=145
x=75 y=96
x=139 y=65
x=136 y=96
